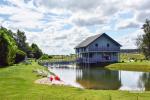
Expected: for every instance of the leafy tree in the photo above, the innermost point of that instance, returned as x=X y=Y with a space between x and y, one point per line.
x=143 y=41
x=36 y=51
x=8 y=47
x=21 y=40
x=29 y=51
x=32 y=51
x=14 y=48
x=20 y=56
x=45 y=57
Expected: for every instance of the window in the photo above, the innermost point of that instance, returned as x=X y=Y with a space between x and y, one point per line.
x=114 y=54
x=90 y=55
x=108 y=45
x=96 y=45
x=84 y=49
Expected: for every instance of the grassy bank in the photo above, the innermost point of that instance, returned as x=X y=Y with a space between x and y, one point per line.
x=17 y=83
x=131 y=66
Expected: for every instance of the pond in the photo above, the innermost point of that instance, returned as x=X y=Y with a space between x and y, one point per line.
x=102 y=79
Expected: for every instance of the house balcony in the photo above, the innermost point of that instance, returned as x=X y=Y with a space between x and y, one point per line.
x=94 y=60
x=104 y=49
x=100 y=49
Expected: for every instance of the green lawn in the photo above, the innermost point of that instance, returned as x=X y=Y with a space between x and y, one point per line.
x=136 y=56
x=61 y=58
x=17 y=83
x=131 y=66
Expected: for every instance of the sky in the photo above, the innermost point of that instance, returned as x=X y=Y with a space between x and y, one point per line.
x=57 y=26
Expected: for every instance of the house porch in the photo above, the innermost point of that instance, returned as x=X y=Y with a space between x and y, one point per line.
x=98 y=57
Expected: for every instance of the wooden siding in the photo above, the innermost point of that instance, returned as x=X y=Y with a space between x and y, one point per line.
x=95 y=51
x=102 y=43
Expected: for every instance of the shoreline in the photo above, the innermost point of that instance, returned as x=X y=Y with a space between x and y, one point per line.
x=46 y=81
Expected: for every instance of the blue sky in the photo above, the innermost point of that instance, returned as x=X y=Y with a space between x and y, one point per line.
x=57 y=26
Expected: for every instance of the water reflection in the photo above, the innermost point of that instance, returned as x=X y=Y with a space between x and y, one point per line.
x=99 y=79
x=145 y=79
x=131 y=80
x=93 y=78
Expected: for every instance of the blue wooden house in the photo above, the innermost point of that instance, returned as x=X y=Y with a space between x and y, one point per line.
x=97 y=49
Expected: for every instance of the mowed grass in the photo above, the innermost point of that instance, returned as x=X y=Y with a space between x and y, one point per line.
x=138 y=64
x=17 y=83
x=127 y=56
x=131 y=66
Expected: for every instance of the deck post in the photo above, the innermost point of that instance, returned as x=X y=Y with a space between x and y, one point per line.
x=102 y=56
x=79 y=55
x=96 y=57
x=119 y=57
x=88 y=58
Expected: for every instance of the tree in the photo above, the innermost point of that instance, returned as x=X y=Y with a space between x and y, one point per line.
x=36 y=51
x=22 y=44
x=8 y=47
x=21 y=40
x=45 y=57
x=20 y=56
x=14 y=48
x=143 y=41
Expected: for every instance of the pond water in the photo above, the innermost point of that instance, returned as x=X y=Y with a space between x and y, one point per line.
x=102 y=79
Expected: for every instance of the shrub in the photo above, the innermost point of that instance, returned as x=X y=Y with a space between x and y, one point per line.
x=44 y=57
x=20 y=56
x=8 y=48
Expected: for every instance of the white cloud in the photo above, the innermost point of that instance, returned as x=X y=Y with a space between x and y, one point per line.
x=125 y=24
x=82 y=18
x=94 y=20
x=128 y=41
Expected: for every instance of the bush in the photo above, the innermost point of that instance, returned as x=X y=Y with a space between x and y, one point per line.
x=44 y=57
x=8 y=48
x=20 y=56
x=36 y=51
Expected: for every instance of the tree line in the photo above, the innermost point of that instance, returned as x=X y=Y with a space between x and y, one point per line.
x=14 y=48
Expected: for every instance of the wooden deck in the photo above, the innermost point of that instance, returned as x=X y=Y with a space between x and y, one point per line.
x=93 y=60
x=102 y=49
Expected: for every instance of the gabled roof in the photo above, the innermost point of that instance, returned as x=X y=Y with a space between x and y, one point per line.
x=91 y=39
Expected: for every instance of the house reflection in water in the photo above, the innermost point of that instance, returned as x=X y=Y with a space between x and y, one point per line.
x=98 y=79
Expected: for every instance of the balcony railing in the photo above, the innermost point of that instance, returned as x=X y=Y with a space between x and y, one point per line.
x=93 y=60
x=99 y=50
x=103 y=49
